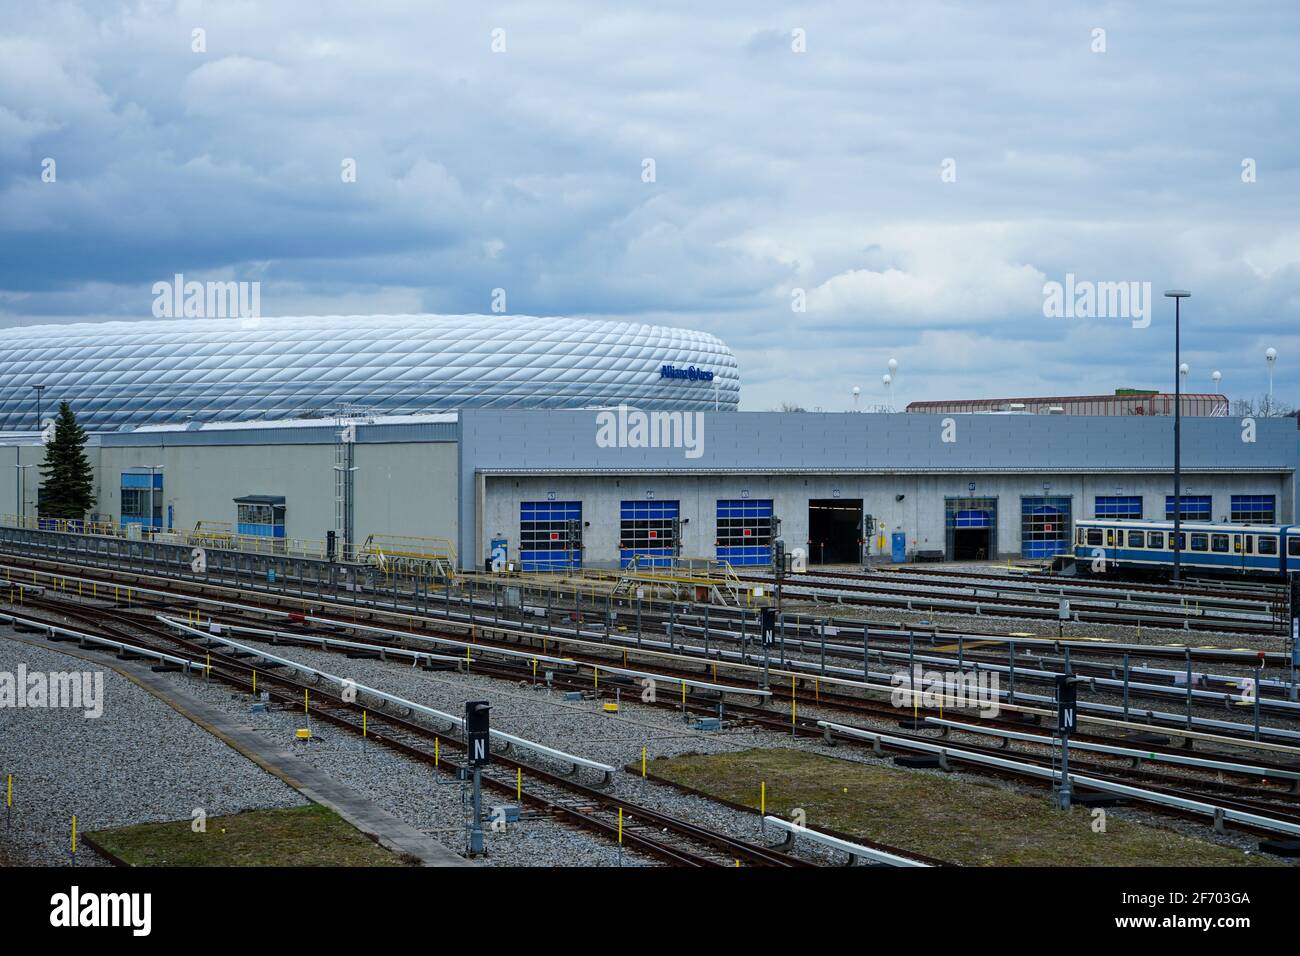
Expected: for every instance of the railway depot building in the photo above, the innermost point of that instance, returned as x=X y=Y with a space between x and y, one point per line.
x=552 y=489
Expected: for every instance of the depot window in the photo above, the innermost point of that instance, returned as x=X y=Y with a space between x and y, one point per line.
x=1195 y=507
x=745 y=531
x=550 y=535
x=1118 y=506
x=142 y=499
x=1254 y=509
x=647 y=532
x=261 y=516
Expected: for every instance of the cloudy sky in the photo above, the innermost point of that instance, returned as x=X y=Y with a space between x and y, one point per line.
x=914 y=172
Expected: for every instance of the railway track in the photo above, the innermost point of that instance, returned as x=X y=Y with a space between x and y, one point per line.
x=1012 y=599
x=1245 y=793
x=662 y=836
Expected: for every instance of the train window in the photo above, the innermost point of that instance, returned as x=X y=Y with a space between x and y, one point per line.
x=1236 y=544
x=1250 y=544
x=1094 y=536
x=1155 y=539
x=1200 y=542
x=1182 y=541
x=1135 y=539
x=1267 y=544
x=1110 y=537
x=1219 y=543
x=1293 y=547
x=1083 y=536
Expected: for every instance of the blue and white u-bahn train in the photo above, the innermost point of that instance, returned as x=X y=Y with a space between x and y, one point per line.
x=1106 y=546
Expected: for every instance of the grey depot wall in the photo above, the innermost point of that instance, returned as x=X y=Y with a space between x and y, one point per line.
x=404 y=483
x=919 y=515
x=200 y=482
x=793 y=457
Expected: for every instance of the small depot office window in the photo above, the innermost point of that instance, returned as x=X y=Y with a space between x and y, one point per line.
x=1200 y=542
x=1094 y=536
x=1219 y=543
x=260 y=516
x=1293 y=546
x=1155 y=539
x=1135 y=539
x=1267 y=544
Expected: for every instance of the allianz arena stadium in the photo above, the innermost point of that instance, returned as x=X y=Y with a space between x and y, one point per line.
x=119 y=375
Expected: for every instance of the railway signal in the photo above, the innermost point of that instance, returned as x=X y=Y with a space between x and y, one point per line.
x=477 y=750
x=1067 y=697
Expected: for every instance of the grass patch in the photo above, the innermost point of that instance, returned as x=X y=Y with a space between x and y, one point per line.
x=952 y=820
x=299 y=836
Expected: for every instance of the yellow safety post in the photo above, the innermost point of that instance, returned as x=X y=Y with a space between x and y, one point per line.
x=762 y=797
x=817 y=690
x=519 y=784
x=620 y=826
x=254 y=683
x=436 y=750
x=363 y=725
x=304 y=700
x=683 y=693
x=9 y=792
x=79 y=584
x=207 y=671
x=466 y=657
x=595 y=677
x=74 y=833
x=643 y=762
x=534 y=669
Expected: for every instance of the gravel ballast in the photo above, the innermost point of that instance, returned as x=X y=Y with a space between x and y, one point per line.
x=139 y=762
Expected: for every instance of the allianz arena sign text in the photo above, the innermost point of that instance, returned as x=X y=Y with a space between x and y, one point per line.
x=691 y=373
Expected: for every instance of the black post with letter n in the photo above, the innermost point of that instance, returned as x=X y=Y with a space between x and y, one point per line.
x=1067 y=697
x=478 y=748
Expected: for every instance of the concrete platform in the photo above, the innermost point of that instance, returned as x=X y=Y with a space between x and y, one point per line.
x=312 y=782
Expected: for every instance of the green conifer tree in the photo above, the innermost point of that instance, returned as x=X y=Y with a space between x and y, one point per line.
x=68 y=482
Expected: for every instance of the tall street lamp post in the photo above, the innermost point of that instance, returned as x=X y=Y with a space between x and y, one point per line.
x=1178 y=295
